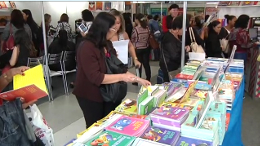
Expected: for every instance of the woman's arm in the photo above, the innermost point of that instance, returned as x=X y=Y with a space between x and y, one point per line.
x=14 y=57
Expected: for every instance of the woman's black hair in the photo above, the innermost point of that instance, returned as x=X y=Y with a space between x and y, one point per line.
x=156 y=17
x=242 y=21
x=17 y=19
x=99 y=29
x=212 y=25
x=87 y=15
x=30 y=21
x=229 y=18
x=178 y=22
x=198 y=21
x=21 y=38
x=149 y=17
x=174 y=6
x=127 y=18
x=141 y=18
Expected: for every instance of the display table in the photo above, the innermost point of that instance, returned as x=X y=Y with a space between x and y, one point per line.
x=233 y=135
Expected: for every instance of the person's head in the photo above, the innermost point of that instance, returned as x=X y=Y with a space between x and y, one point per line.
x=242 y=21
x=156 y=17
x=87 y=15
x=149 y=17
x=64 y=18
x=47 y=19
x=101 y=29
x=120 y=22
x=141 y=20
x=174 y=10
x=27 y=16
x=215 y=26
x=17 y=18
x=199 y=21
x=177 y=25
x=190 y=19
x=231 y=19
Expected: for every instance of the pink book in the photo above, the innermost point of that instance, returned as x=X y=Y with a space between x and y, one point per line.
x=173 y=113
x=129 y=126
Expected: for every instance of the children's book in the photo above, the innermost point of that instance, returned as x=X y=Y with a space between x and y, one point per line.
x=129 y=126
x=144 y=142
x=185 y=141
x=108 y=138
x=161 y=135
x=128 y=106
x=141 y=97
x=159 y=97
x=146 y=106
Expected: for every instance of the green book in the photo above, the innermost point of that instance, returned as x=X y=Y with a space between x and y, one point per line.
x=109 y=138
x=146 y=106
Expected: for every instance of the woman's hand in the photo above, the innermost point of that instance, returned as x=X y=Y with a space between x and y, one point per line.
x=144 y=82
x=27 y=104
x=15 y=71
x=83 y=34
x=137 y=63
x=128 y=77
x=187 y=48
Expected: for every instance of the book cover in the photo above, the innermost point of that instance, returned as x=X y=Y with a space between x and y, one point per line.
x=128 y=126
x=141 y=97
x=108 y=138
x=161 y=135
x=143 y=142
x=29 y=93
x=127 y=106
x=146 y=106
x=174 y=113
x=184 y=141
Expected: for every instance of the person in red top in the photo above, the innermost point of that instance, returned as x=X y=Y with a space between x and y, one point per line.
x=167 y=20
x=7 y=77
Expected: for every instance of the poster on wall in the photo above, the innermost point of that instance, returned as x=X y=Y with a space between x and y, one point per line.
x=92 y=6
x=157 y=11
x=99 y=5
x=12 y=4
x=107 y=5
x=127 y=6
x=2 y=5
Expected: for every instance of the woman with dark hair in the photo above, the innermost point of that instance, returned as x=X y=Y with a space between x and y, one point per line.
x=121 y=34
x=16 y=23
x=128 y=24
x=213 y=46
x=62 y=44
x=225 y=31
x=91 y=73
x=199 y=26
x=27 y=16
x=140 y=40
x=170 y=61
x=154 y=26
x=240 y=37
x=87 y=15
x=63 y=24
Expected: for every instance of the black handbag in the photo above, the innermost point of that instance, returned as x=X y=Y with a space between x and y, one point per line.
x=115 y=92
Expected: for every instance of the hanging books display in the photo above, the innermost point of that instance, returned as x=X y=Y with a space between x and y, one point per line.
x=92 y=6
x=99 y=6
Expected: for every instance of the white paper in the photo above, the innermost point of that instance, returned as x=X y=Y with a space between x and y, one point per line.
x=197 y=56
x=122 y=50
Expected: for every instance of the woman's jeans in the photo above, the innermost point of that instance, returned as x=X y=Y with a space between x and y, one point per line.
x=241 y=55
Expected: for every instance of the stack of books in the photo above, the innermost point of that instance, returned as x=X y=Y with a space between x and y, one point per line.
x=185 y=141
x=129 y=126
x=226 y=93
x=169 y=117
x=161 y=135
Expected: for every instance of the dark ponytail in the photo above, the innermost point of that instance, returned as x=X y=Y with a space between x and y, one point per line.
x=142 y=19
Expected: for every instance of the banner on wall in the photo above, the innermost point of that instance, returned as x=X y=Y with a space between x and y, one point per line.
x=234 y=3
x=127 y=6
x=107 y=5
x=92 y=6
x=99 y=5
x=2 y=5
x=157 y=11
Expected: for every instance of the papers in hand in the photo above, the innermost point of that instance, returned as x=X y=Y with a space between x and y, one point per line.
x=122 y=50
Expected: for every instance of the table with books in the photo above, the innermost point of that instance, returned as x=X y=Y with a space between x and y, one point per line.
x=201 y=106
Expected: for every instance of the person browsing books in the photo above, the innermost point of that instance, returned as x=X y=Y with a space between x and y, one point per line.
x=92 y=69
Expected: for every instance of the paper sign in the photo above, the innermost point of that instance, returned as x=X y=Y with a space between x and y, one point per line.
x=122 y=50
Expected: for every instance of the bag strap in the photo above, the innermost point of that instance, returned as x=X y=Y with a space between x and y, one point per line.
x=192 y=33
x=164 y=60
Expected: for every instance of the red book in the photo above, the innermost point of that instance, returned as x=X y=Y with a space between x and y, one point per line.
x=29 y=93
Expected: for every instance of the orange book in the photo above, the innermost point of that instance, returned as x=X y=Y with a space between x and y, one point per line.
x=29 y=93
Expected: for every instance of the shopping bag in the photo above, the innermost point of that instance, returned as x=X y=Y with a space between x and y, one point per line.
x=40 y=126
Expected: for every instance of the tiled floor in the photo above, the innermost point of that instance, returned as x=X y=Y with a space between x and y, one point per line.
x=65 y=117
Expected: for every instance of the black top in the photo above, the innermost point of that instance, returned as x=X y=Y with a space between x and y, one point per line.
x=169 y=20
x=198 y=39
x=171 y=48
x=23 y=56
x=223 y=33
x=213 y=47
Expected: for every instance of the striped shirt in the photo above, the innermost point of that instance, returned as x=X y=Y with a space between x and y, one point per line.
x=140 y=37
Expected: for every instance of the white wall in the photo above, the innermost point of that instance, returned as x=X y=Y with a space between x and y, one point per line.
x=251 y=11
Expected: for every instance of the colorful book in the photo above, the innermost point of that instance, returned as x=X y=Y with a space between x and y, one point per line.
x=128 y=106
x=108 y=138
x=141 y=97
x=129 y=126
x=169 y=117
x=185 y=141
x=146 y=106
x=159 y=97
x=144 y=142
x=161 y=135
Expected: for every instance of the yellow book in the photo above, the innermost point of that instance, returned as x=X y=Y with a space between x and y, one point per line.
x=128 y=106
x=33 y=76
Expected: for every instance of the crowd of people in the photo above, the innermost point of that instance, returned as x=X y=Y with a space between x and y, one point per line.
x=94 y=48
